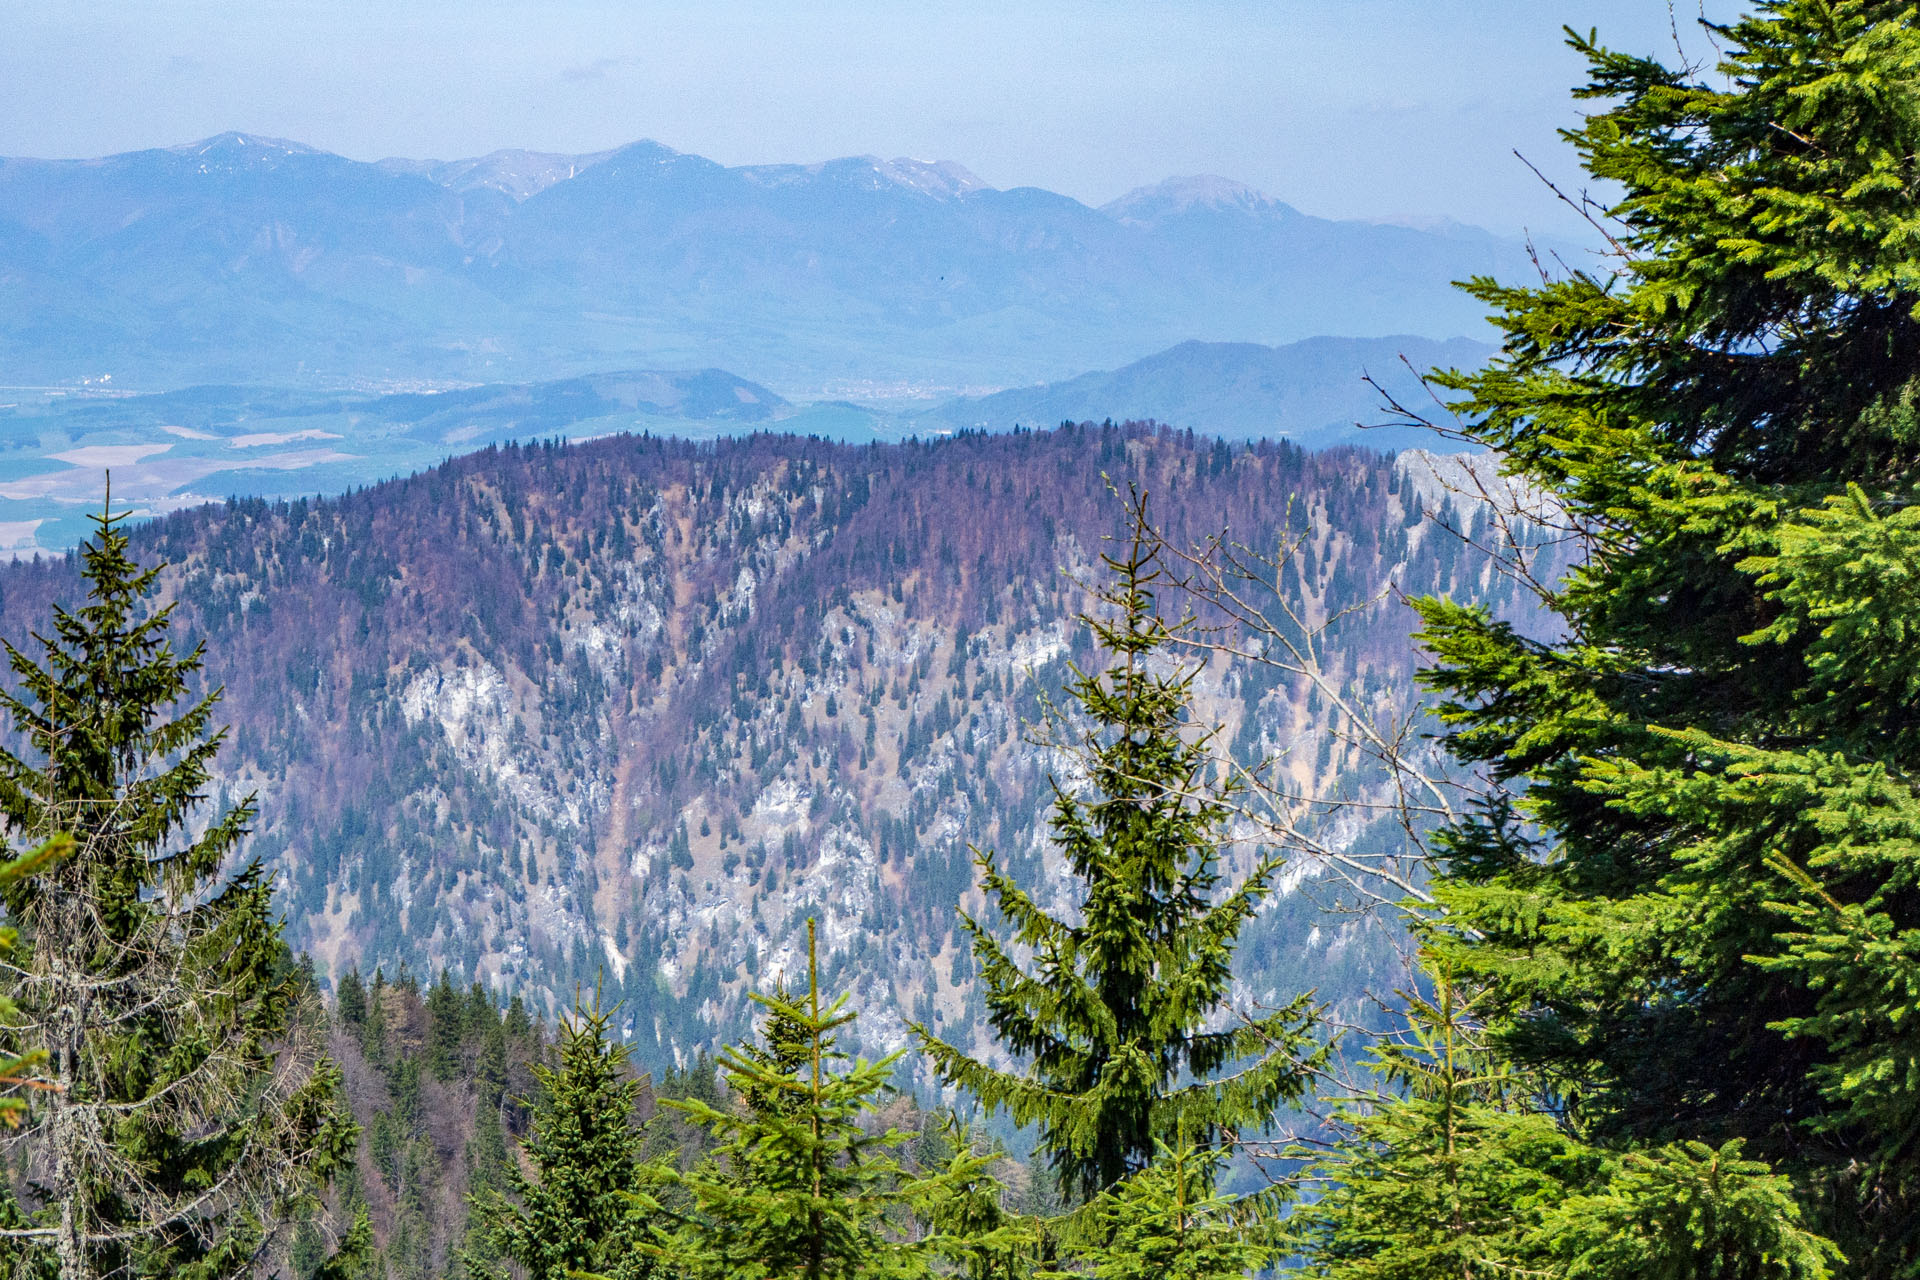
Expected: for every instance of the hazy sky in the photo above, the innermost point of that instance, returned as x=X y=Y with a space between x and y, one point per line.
x=1347 y=108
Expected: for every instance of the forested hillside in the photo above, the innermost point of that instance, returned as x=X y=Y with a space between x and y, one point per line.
x=627 y=712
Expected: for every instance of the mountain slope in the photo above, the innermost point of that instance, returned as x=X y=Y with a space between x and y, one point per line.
x=1312 y=392
x=243 y=259
x=635 y=709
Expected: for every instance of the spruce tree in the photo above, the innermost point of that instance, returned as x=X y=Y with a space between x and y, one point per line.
x=1454 y=1166
x=492 y=1066
x=983 y=1238
x=576 y=1215
x=350 y=1003
x=1169 y=1221
x=1702 y=912
x=373 y=1032
x=192 y=1116
x=1685 y=1210
x=799 y=1185
x=446 y=1028
x=488 y=1164
x=1446 y=1168
x=785 y=1049
x=1116 y=1021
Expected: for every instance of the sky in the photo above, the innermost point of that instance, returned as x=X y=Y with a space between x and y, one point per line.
x=1380 y=109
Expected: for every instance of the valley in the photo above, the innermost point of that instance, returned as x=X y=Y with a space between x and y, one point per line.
x=173 y=450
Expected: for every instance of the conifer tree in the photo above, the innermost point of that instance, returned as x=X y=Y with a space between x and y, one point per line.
x=798 y=1187
x=1701 y=915
x=1447 y=1168
x=576 y=1215
x=1115 y=1019
x=192 y=1115
x=488 y=1163
x=446 y=1028
x=373 y=1032
x=1169 y=1221
x=351 y=1001
x=982 y=1238
x=785 y=1049
x=518 y=1022
x=1453 y=1167
x=481 y=1012
x=491 y=1068
x=1685 y=1210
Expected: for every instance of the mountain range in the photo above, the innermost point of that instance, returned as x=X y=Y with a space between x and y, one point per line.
x=1316 y=392
x=181 y=448
x=249 y=260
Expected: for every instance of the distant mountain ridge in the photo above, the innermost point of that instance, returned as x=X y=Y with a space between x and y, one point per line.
x=514 y=173
x=204 y=443
x=241 y=259
x=1149 y=206
x=520 y=174
x=1312 y=392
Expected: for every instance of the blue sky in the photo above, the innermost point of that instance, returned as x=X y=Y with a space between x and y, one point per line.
x=1345 y=108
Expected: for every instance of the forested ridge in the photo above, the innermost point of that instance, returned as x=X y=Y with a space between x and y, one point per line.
x=625 y=713
x=612 y=861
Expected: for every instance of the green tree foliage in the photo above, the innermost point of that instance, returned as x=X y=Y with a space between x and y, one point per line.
x=1170 y=1222
x=351 y=1001
x=1702 y=919
x=798 y=1186
x=192 y=1116
x=585 y=1145
x=785 y=1050
x=1452 y=1167
x=1684 y=1211
x=981 y=1238
x=446 y=1028
x=19 y=1070
x=1446 y=1169
x=1112 y=1017
x=489 y=1166
x=373 y=1031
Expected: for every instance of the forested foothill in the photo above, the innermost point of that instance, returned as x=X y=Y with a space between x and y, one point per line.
x=568 y=910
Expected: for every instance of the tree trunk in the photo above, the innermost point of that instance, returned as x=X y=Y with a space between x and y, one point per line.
x=67 y=1149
